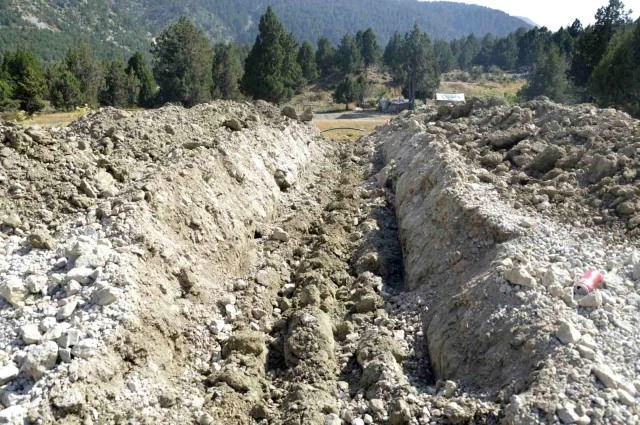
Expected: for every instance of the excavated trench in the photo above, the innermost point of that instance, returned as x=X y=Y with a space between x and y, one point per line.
x=345 y=331
x=271 y=276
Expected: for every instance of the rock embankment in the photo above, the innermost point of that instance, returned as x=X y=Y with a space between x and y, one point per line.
x=227 y=265
x=118 y=238
x=501 y=210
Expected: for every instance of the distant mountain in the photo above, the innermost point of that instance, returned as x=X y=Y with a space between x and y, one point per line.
x=115 y=28
x=528 y=21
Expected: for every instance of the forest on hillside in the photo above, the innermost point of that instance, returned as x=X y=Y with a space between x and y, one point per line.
x=115 y=29
x=598 y=63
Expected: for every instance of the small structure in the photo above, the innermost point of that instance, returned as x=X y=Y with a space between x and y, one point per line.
x=446 y=98
x=394 y=106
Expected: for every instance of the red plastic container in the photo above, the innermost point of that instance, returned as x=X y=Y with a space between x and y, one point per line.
x=588 y=283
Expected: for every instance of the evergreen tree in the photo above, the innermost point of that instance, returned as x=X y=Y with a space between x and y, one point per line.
x=485 y=57
x=183 y=64
x=369 y=49
x=263 y=77
x=390 y=54
x=227 y=71
x=391 y=57
x=25 y=80
x=445 y=62
x=358 y=39
x=348 y=55
x=132 y=89
x=565 y=41
x=575 y=30
x=65 y=91
x=82 y=63
x=5 y=92
x=361 y=87
x=548 y=78
x=532 y=47
x=307 y=61
x=595 y=39
x=146 y=89
x=505 y=53
x=346 y=92
x=419 y=65
x=616 y=80
x=116 y=88
x=291 y=71
x=469 y=48
x=325 y=55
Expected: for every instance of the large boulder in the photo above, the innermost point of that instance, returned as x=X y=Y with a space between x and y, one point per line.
x=13 y=290
x=290 y=112
x=306 y=116
x=546 y=160
x=42 y=358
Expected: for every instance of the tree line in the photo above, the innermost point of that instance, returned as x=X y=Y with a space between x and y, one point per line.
x=187 y=69
x=183 y=71
x=598 y=63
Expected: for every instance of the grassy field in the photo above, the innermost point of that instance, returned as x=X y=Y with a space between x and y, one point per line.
x=59 y=119
x=482 y=88
x=56 y=119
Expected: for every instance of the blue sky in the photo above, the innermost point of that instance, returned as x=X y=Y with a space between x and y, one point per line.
x=553 y=13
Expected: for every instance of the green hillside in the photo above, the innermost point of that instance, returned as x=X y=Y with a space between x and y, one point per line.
x=115 y=28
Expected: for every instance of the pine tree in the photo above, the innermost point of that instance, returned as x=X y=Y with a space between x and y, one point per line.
x=65 y=90
x=116 y=88
x=615 y=82
x=533 y=46
x=348 y=55
x=548 y=78
x=392 y=57
x=418 y=64
x=346 y=92
x=362 y=84
x=132 y=89
x=263 y=77
x=82 y=63
x=307 y=62
x=5 y=92
x=369 y=50
x=227 y=71
x=183 y=64
x=325 y=55
x=445 y=62
x=505 y=52
x=469 y=48
x=291 y=71
x=142 y=82
x=595 y=39
x=484 y=57
x=25 y=79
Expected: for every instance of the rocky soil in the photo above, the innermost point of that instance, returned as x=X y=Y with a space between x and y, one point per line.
x=228 y=265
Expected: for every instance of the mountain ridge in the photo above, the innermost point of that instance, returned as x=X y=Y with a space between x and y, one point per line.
x=117 y=27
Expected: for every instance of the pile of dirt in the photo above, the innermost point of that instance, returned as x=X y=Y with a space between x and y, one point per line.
x=501 y=210
x=228 y=265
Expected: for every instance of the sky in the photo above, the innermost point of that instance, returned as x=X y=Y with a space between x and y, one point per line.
x=554 y=13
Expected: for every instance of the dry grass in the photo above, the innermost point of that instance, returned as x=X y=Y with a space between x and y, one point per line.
x=58 y=119
x=366 y=124
x=482 y=88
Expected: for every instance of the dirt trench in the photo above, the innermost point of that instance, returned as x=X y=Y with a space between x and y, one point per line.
x=263 y=269
x=346 y=338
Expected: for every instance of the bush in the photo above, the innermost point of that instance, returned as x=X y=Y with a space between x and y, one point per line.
x=476 y=73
